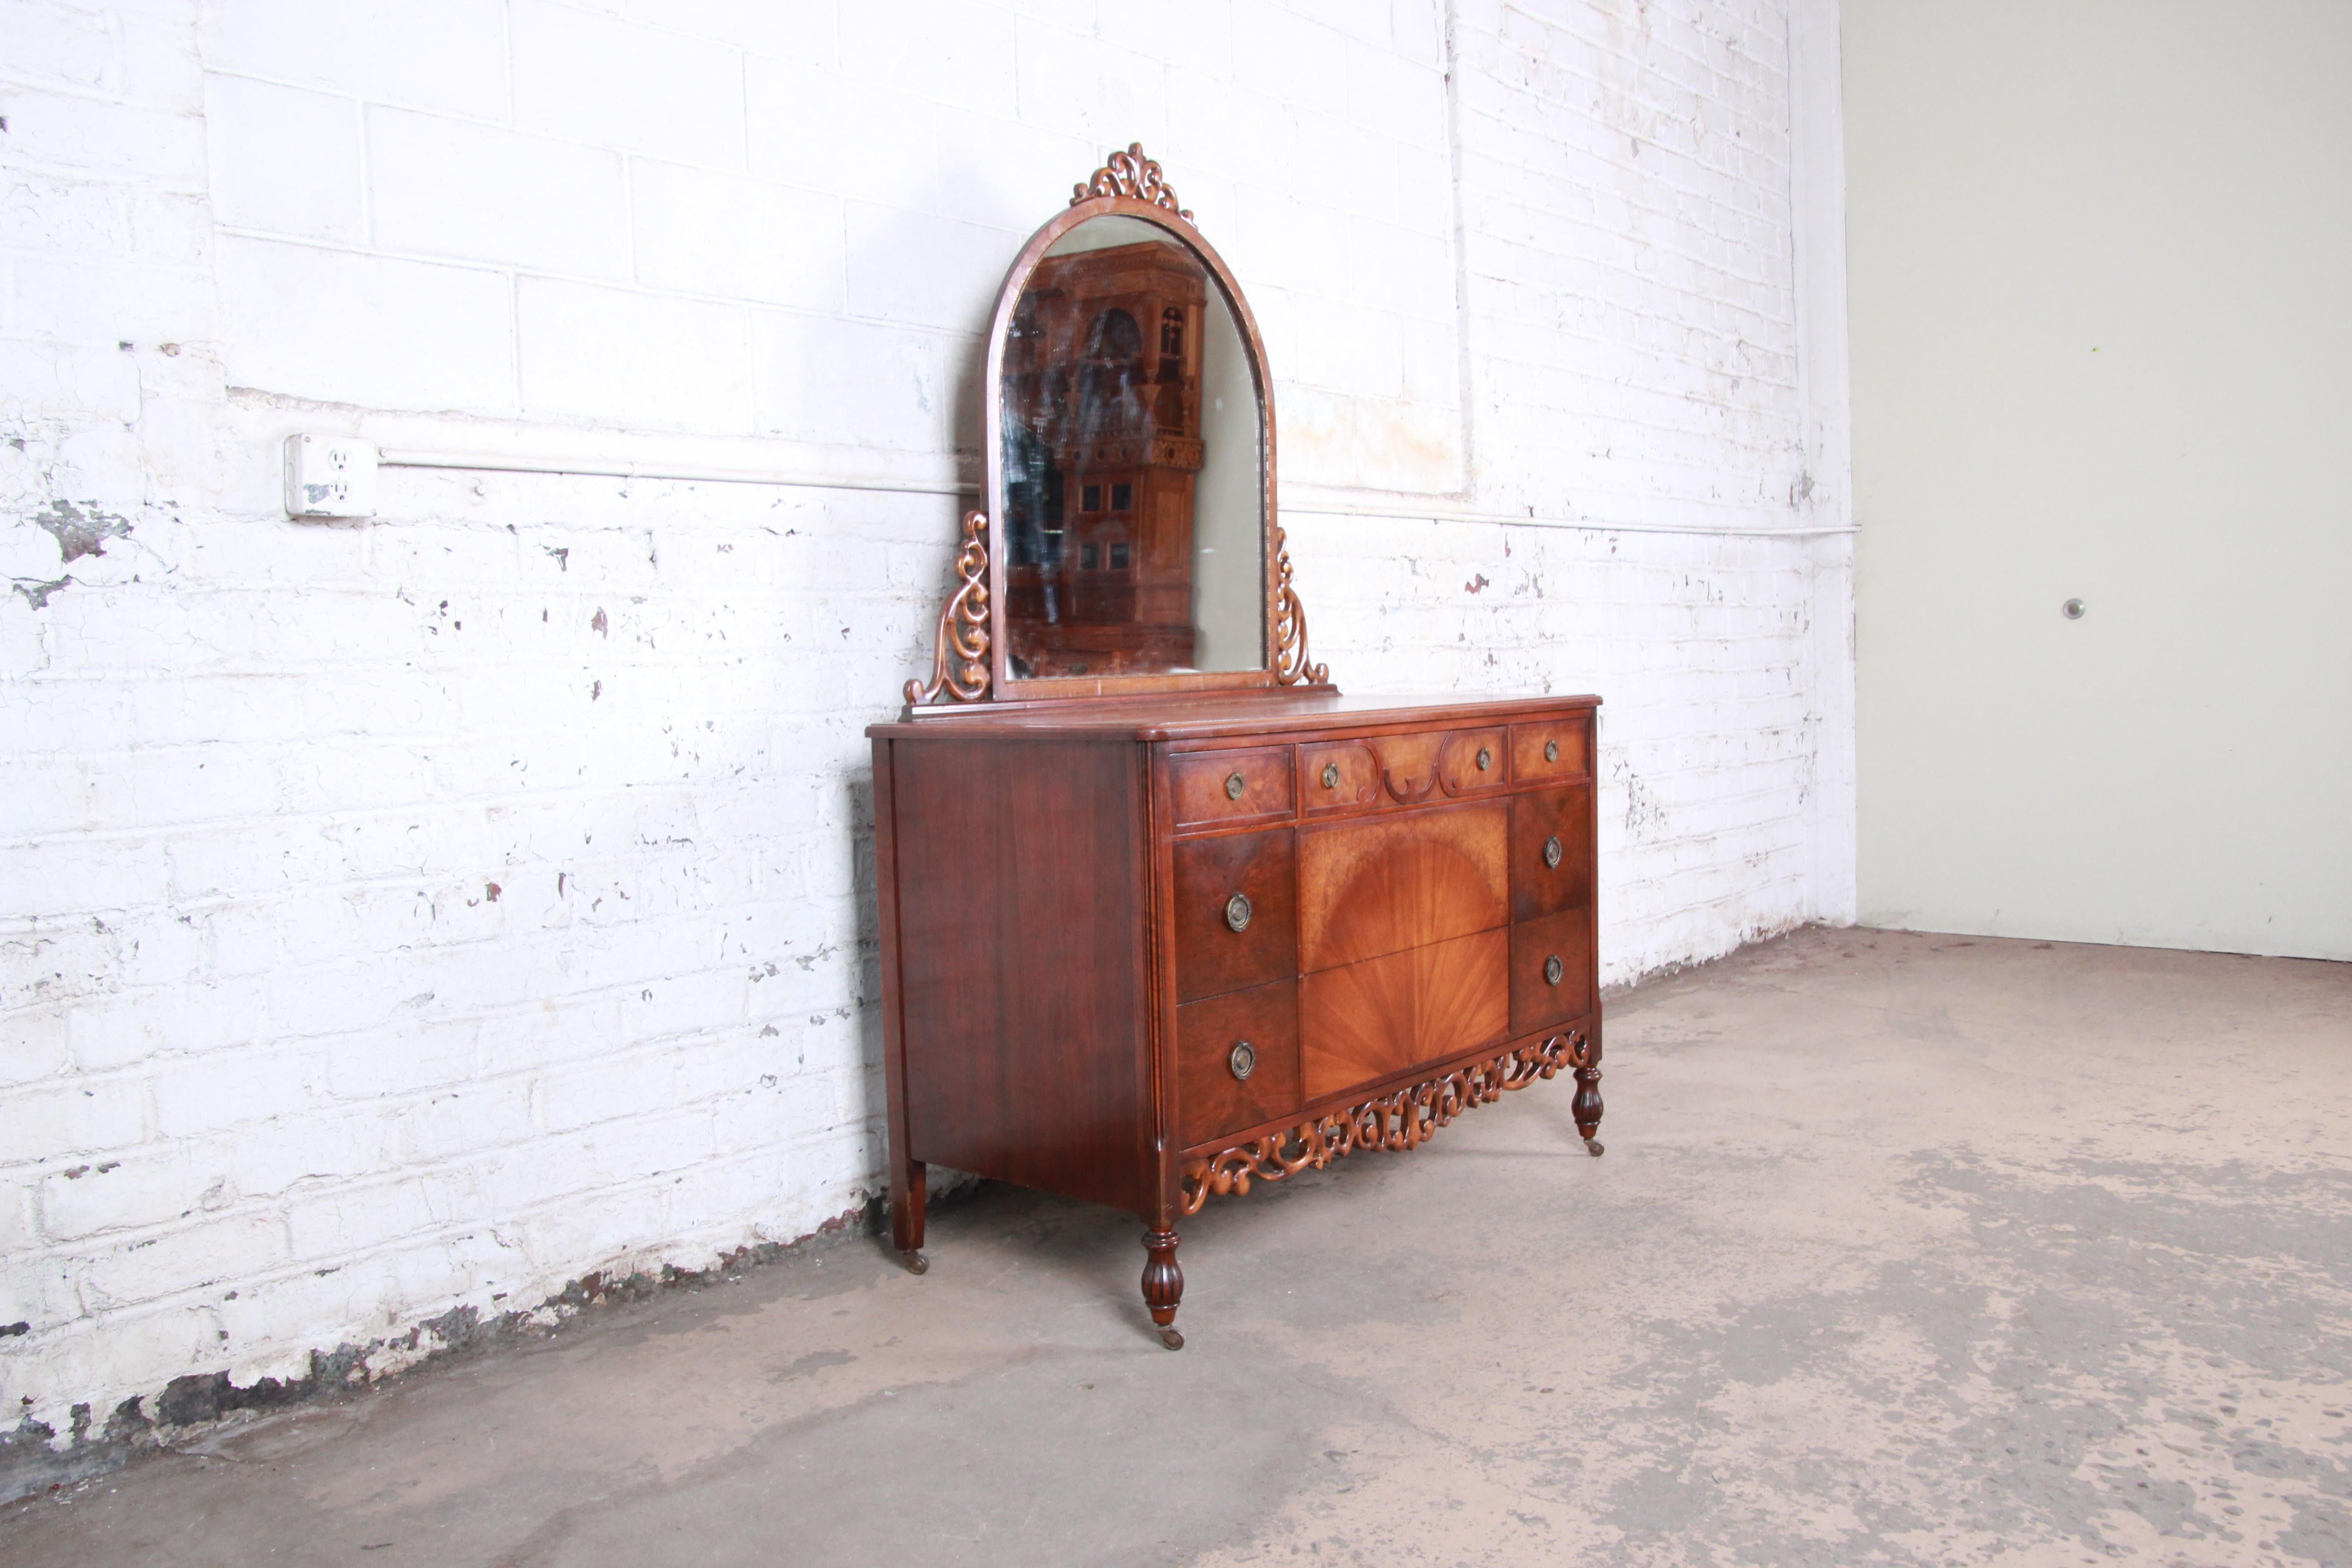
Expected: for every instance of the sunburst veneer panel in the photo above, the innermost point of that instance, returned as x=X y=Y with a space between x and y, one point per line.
x=1366 y=888
x=1366 y=1020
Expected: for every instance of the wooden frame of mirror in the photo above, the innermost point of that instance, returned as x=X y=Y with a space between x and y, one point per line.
x=974 y=658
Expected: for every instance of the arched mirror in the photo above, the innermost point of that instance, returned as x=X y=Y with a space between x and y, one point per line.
x=1128 y=541
x=1129 y=463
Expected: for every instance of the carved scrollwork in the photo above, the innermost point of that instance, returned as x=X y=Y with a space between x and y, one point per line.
x=960 y=664
x=1394 y=1123
x=1130 y=174
x=1290 y=665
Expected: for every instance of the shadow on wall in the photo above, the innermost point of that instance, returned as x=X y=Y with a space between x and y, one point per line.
x=864 y=869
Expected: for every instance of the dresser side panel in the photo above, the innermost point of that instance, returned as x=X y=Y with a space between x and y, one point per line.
x=1020 y=884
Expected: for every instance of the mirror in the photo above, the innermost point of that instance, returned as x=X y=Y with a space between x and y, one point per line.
x=1132 y=464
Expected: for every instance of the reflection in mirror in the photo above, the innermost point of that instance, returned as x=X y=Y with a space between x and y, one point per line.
x=1133 y=520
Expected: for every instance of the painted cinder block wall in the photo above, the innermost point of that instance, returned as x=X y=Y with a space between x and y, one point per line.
x=410 y=917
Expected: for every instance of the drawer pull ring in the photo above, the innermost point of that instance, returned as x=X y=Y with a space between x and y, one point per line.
x=1486 y=759
x=1235 y=784
x=1553 y=970
x=1244 y=1060
x=1237 y=912
x=1552 y=751
x=1331 y=775
x=1551 y=850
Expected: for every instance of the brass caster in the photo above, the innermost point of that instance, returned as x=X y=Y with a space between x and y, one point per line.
x=915 y=1262
x=1593 y=1144
x=1171 y=1339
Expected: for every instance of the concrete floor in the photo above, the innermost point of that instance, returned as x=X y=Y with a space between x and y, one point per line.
x=1905 y=1249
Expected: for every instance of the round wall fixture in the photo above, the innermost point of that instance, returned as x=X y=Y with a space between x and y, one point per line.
x=2073 y=609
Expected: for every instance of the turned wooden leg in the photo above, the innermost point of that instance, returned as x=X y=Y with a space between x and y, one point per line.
x=1584 y=1055
x=1163 y=1285
x=908 y=1191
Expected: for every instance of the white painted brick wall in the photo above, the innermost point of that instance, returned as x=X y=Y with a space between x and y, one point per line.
x=426 y=912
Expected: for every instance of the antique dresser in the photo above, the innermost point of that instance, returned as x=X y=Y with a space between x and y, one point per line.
x=1162 y=912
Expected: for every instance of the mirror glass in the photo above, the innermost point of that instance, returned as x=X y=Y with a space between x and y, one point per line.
x=1133 y=522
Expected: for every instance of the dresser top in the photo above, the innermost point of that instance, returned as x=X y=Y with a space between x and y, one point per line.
x=1206 y=717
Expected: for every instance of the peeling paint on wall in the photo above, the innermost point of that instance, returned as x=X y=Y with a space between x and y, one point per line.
x=81 y=533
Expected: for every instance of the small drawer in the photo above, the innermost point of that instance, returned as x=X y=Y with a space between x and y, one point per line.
x=1554 y=749
x=1343 y=776
x=1236 y=1061
x=1218 y=787
x=1235 y=915
x=1551 y=851
x=1470 y=761
x=1551 y=971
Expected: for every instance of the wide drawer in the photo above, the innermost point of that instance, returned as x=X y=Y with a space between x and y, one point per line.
x=1214 y=788
x=1551 y=970
x=1552 y=749
x=1236 y=1060
x=1365 y=1021
x=1401 y=770
x=1551 y=851
x=1235 y=912
x=1382 y=884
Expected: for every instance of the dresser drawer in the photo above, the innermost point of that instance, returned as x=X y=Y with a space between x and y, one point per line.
x=1339 y=776
x=1365 y=1021
x=1472 y=761
x=1236 y=1061
x=1235 y=913
x=1554 y=749
x=1212 y=788
x=1551 y=851
x=1551 y=971
x=1382 y=884
x=1403 y=770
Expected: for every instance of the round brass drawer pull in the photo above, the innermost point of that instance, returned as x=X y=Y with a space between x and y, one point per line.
x=1235 y=784
x=1553 y=970
x=1237 y=912
x=1331 y=775
x=1551 y=850
x=1242 y=1059
x=1486 y=759
x=1552 y=751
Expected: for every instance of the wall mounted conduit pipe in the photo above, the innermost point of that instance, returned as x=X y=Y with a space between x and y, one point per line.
x=1402 y=508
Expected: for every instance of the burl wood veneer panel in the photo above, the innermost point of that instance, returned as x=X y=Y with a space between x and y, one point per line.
x=1210 y=1100
x=1363 y=1021
x=1539 y=1000
x=1019 y=877
x=1339 y=776
x=1383 y=884
x=1215 y=787
x=1552 y=749
x=1211 y=957
x=1543 y=883
x=1472 y=761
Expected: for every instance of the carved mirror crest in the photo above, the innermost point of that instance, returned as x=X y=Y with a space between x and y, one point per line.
x=1129 y=446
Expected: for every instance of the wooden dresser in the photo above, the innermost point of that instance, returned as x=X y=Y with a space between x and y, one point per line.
x=1163 y=914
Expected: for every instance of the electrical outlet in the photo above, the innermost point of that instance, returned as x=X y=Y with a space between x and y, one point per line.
x=330 y=475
